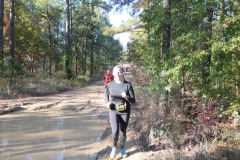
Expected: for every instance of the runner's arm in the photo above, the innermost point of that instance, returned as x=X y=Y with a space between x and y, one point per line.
x=130 y=96
x=106 y=96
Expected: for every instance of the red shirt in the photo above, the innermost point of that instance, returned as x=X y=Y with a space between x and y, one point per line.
x=108 y=77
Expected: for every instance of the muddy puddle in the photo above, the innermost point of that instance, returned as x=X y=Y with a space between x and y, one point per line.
x=49 y=135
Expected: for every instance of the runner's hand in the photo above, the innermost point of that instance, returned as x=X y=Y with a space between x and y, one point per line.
x=124 y=95
x=108 y=104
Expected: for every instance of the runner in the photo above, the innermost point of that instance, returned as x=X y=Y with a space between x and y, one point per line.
x=108 y=77
x=119 y=95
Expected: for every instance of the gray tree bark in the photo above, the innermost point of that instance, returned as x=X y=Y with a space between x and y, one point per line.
x=11 y=41
x=67 y=41
x=1 y=33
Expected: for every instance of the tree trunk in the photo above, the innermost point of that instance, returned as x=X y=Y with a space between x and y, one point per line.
x=67 y=42
x=76 y=59
x=1 y=34
x=85 y=55
x=44 y=62
x=82 y=53
x=166 y=29
x=50 y=41
x=207 y=58
x=92 y=41
x=166 y=40
x=11 y=47
x=183 y=69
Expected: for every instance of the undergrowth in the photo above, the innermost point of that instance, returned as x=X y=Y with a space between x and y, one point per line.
x=185 y=126
x=40 y=84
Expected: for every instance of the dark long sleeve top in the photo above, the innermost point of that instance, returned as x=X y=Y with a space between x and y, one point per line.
x=114 y=90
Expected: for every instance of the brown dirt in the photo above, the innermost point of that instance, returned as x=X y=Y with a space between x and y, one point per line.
x=87 y=100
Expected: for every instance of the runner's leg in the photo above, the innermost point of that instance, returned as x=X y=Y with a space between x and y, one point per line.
x=123 y=120
x=115 y=126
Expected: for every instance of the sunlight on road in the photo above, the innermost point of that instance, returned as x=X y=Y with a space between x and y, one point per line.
x=50 y=135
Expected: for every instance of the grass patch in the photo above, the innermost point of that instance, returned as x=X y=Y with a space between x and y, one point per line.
x=40 y=84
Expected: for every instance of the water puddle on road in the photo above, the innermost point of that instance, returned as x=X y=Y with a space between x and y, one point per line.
x=49 y=135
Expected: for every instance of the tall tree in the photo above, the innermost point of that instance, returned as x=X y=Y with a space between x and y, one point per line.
x=12 y=26
x=67 y=41
x=166 y=39
x=12 y=29
x=50 y=39
x=92 y=40
x=207 y=43
x=166 y=29
x=1 y=33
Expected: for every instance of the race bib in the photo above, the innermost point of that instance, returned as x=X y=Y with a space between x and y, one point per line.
x=120 y=107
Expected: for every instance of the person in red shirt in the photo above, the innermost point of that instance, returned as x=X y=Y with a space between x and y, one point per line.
x=108 y=77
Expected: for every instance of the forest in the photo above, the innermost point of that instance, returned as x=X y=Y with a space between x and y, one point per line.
x=185 y=53
x=63 y=38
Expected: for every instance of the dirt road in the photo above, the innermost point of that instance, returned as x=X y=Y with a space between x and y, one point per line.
x=87 y=100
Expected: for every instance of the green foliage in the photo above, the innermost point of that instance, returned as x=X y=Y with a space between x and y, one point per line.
x=40 y=37
x=203 y=61
x=230 y=113
x=83 y=79
x=199 y=45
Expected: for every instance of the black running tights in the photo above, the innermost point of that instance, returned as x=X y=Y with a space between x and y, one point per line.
x=119 y=123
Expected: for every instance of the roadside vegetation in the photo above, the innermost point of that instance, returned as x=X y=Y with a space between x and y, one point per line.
x=185 y=126
x=41 y=84
x=186 y=56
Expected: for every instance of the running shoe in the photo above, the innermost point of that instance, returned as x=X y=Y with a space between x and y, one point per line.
x=123 y=152
x=113 y=153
